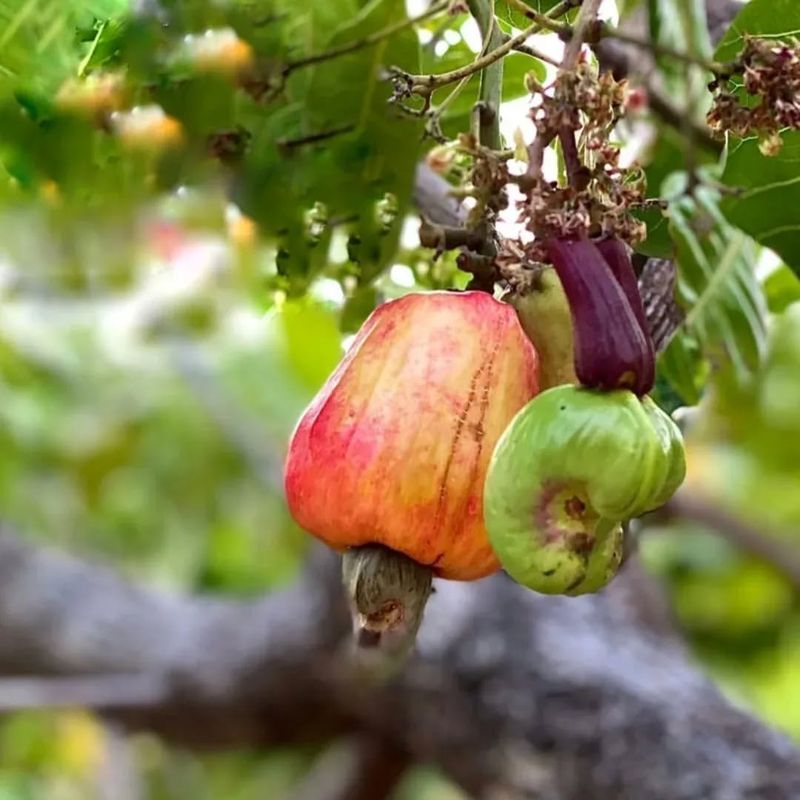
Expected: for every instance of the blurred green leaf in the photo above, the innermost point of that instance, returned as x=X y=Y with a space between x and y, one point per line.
x=725 y=309
x=782 y=288
x=681 y=25
x=681 y=365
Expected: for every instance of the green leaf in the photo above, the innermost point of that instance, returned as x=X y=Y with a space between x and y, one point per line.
x=664 y=158
x=767 y=18
x=509 y=15
x=767 y=206
x=725 y=309
x=312 y=340
x=681 y=25
x=681 y=366
x=782 y=288
x=370 y=148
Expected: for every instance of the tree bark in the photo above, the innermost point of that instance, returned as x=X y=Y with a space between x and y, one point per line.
x=514 y=695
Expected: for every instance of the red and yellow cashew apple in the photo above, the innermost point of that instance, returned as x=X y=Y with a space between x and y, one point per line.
x=395 y=447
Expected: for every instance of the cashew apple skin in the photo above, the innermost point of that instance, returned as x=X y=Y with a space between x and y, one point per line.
x=547 y=321
x=394 y=448
x=572 y=465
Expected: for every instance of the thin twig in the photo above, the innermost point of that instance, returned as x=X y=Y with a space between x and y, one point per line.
x=529 y=50
x=367 y=41
x=425 y=85
x=314 y=138
x=593 y=32
x=586 y=18
x=771 y=548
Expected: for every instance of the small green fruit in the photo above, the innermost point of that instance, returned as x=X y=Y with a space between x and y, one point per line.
x=569 y=469
x=546 y=319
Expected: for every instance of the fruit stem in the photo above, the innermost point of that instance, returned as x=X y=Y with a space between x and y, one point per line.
x=387 y=592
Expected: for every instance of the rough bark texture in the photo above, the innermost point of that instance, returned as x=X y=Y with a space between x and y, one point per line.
x=514 y=695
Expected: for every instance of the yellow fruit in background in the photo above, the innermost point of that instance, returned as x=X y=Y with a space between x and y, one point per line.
x=218 y=50
x=147 y=128
x=96 y=95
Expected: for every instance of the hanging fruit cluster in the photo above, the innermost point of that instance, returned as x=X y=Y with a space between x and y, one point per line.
x=430 y=439
x=388 y=462
x=458 y=436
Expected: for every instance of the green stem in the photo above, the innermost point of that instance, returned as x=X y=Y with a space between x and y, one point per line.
x=425 y=85
x=491 y=88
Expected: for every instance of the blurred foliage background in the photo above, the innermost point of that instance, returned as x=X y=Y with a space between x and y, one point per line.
x=176 y=281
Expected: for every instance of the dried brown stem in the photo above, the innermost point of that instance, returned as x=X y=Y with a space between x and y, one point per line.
x=586 y=19
x=576 y=173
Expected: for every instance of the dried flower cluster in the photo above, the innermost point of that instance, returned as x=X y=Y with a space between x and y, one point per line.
x=581 y=109
x=487 y=180
x=761 y=96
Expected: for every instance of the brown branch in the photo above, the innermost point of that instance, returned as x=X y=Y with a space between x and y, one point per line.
x=512 y=694
x=659 y=49
x=584 y=23
x=587 y=29
x=664 y=316
x=136 y=690
x=770 y=547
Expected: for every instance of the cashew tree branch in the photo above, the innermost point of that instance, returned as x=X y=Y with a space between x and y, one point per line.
x=511 y=694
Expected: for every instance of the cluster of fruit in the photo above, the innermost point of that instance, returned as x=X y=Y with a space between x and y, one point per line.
x=468 y=433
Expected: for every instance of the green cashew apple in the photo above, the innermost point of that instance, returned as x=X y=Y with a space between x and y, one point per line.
x=573 y=464
x=546 y=319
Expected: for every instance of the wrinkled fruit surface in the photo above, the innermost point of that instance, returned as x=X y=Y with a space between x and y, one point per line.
x=612 y=348
x=395 y=447
x=571 y=467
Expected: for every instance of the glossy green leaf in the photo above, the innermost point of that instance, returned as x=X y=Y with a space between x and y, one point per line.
x=767 y=195
x=768 y=18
